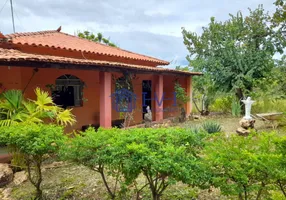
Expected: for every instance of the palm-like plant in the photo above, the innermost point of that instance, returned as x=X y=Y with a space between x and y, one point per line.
x=15 y=109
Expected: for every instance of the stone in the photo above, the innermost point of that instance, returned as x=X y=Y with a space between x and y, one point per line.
x=54 y=165
x=247 y=123
x=6 y=174
x=242 y=131
x=5 y=193
x=20 y=177
x=196 y=117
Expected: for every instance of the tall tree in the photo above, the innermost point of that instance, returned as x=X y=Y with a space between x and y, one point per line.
x=237 y=52
x=96 y=38
x=279 y=17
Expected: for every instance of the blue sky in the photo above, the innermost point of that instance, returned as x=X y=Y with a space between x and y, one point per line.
x=150 y=27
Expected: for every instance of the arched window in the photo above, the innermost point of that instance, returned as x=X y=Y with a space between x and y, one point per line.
x=68 y=91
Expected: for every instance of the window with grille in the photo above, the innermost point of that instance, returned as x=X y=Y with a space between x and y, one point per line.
x=68 y=91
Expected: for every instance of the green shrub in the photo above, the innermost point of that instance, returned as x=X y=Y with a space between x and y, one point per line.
x=248 y=167
x=164 y=156
x=222 y=104
x=35 y=143
x=235 y=108
x=211 y=127
x=269 y=105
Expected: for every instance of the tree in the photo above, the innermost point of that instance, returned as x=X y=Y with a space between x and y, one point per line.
x=203 y=88
x=36 y=142
x=95 y=38
x=279 y=17
x=237 y=52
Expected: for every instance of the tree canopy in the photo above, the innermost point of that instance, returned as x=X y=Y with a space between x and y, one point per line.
x=279 y=17
x=237 y=52
x=96 y=38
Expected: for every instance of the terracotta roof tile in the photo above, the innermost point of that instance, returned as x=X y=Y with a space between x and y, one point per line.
x=11 y=55
x=60 y=40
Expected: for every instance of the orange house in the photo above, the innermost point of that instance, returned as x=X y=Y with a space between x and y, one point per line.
x=82 y=75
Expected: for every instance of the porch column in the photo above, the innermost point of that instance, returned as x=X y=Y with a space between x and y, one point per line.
x=189 y=93
x=159 y=98
x=105 y=99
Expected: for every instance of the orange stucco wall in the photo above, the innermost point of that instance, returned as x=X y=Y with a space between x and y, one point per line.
x=20 y=78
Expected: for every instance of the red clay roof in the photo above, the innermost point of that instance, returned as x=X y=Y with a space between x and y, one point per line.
x=56 y=39
x=11 y=55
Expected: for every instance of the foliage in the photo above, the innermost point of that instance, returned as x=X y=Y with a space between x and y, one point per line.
x=279 y=17
x=36 y=142
x=15 y=109
x=235 y=108
x=222 y=104
x=124 y=83
x=163 y=156
x=266 y=105
x=181 y=94
x=237 y=52
x=185 y=68
x=274 y=85
x=95 y=38
x=211 y=127
x=245 y=166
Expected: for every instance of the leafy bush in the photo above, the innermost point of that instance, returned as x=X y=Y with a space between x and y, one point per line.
x=15 y=109
x=247 y=166
x=163 y=156
x=211 y=127
x=222 y=104
x=181 y=94
x=269 y=105
x=235 y=108
x=35 y=143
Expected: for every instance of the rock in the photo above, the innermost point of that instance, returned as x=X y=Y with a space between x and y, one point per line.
x=242 y=131
x=20 y=177
x=196 y=117
x=6 y=174
x=54 y=165
x=6 y=193
x=246 y=124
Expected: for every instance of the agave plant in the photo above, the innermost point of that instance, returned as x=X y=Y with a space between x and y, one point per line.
x=211 y=127
x=15 y=109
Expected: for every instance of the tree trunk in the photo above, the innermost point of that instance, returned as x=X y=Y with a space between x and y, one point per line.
x=239 y=95
x=39 y=181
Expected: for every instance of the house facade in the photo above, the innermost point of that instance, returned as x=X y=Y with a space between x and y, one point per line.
x=82 y=75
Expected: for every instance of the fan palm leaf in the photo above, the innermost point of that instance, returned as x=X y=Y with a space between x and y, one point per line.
x=14 y=109
x=65 y=117
x=44 y=101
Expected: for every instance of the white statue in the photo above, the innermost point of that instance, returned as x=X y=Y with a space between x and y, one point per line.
x=248 y=102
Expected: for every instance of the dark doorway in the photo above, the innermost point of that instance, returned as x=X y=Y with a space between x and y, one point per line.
x=146 y=95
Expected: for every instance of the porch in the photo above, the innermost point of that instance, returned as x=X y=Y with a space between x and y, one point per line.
x=95 y=106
